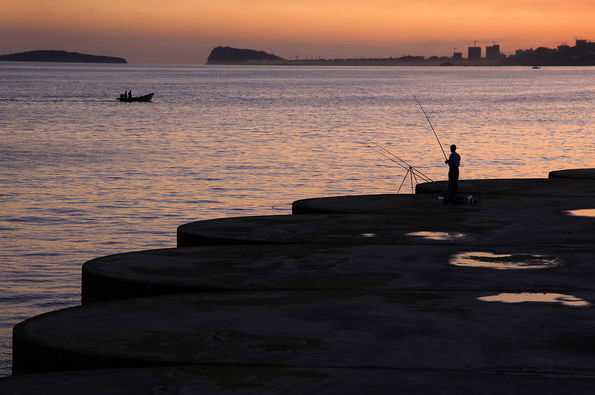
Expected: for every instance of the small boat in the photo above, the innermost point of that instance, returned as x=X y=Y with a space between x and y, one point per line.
x=535 y=67
x=138 y=98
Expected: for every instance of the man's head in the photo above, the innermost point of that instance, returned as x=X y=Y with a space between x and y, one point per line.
x=453 y=148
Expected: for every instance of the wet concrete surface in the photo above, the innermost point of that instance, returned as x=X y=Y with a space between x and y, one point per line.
x=307 y=380
x=357 y=329
x=328 y=267
x=541 y=224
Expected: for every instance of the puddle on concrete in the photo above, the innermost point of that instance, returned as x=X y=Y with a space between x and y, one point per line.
x=566 y=300
x=368 y=235
x=503 y=261
x=437 y=236
x=588 y=212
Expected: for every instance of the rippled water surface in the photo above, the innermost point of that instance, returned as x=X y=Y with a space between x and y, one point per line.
x=82 y=175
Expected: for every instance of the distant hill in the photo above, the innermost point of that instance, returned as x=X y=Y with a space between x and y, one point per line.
x=228 y=55
x=59 y=56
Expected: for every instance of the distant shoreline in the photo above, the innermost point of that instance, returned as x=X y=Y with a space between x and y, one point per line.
x=583 y=54
x=355 y=62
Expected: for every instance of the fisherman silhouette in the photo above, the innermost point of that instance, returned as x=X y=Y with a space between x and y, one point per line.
x=453 y=162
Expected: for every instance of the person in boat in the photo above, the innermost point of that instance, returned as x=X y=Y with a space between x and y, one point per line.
x=130 y=94
x=453 y=162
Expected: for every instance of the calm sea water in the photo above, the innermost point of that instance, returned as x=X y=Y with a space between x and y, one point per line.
x=83 y=176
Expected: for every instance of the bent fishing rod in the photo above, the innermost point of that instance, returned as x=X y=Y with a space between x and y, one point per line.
x=431 y=126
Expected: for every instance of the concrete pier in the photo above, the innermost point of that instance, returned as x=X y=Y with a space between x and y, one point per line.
x=342 y=267
x=352 y=294
x=428 y=330
x=563 y=183
x=529 y=225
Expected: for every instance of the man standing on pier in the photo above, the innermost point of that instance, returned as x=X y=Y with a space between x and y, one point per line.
x=453 y=162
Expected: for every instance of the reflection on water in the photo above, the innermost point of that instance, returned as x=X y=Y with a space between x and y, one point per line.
x=438 y=236
x=588 y=212
x=566 y=300
x=503 y=261
x=368 y=234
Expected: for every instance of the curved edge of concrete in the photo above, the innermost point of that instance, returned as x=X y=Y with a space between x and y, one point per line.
x=338 y=204
x=585 y=174
x=186 y=238
x=30 y=357
x=97 y=286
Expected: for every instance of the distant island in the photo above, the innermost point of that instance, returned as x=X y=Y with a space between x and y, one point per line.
x=228 y=55
x=59 y=56
x=582 y=54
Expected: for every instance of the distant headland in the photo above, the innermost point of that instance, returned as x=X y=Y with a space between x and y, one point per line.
x=59 y=56
x=582 y=54
x=228 y=55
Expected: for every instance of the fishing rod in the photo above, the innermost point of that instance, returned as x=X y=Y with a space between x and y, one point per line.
x=402 y=163
x=389 y=155
x=410 y=170
x=395 y=159
x=433 y=130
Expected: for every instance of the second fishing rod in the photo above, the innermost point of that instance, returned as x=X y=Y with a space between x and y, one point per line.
x=453 y=162
x=392 y=157
x=431 y=126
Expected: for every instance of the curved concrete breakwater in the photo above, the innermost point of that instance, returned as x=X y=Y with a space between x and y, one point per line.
x=354 y=294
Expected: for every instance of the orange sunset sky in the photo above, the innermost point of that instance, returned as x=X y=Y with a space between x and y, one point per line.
x=185 y=31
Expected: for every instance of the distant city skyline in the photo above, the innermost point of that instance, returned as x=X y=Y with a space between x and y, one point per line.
x=185 y=31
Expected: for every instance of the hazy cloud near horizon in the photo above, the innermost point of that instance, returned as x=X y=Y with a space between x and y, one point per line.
x=184 y=31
